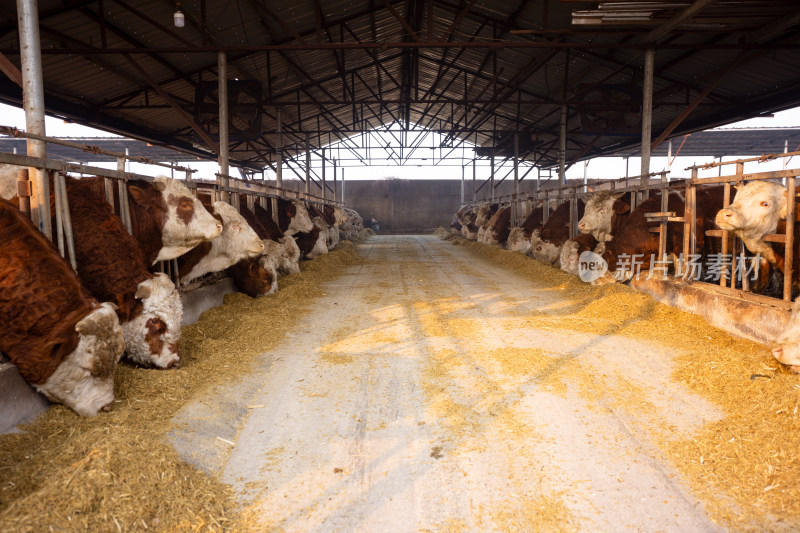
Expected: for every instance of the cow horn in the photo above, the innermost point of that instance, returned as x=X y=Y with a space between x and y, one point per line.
x=160 y=185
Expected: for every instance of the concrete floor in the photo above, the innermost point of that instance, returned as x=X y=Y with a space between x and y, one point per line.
x=395 y=408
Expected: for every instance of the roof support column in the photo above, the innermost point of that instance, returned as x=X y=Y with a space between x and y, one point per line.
x=342 y=186
x=463 y=172
x=474 y=172
x=516 y=163
x=647 y=113
x=491 y=178
x=308 y=164
x=33 y=102
x=334 y=180
x=323 y=174
x=224 y=158
x=279 y=154
x=562 y=147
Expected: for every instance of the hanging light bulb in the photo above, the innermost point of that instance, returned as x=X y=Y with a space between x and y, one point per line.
x=178 y=17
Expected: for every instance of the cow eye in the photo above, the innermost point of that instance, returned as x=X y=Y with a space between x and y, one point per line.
x=764 y=204
x=236 y=227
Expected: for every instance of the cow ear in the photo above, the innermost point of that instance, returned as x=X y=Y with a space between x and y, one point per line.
x=138 y=194
x=618 y=195
x=621 y=207
x=159 y=185
x=143 y=291
x=252 y=268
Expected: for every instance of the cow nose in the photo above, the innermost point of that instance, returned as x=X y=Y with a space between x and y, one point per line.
x=777 y=352
x=106 y=408
x=175 y=363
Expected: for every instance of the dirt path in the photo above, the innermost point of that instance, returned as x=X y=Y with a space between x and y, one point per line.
x=430 y=393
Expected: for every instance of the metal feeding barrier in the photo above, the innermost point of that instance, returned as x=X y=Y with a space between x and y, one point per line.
x=54 y=171
x=733 y=279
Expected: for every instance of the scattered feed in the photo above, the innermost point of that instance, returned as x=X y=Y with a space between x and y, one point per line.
x=114 y=472
x=744 y=466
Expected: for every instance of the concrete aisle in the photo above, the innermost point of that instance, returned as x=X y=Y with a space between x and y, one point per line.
x=422 y=397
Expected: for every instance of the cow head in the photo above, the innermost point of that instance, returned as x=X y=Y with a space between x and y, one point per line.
x=517 y=242
x=184 y=221
x=545 y=251
x=787 y=345
x=300 y=222
x=755 y=212
x=84 y=381
x=484 y=213
x=254 y=277
x=152 y=335
x=290 y=259
x=600 y=209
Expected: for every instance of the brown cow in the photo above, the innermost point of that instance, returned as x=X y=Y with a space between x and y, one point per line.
x=519 y=238
x=111 y=266
x=63 y=341
x=498 y=227
x=546 y=243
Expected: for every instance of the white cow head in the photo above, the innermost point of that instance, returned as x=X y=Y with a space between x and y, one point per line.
x=517 y=242
x=236 y=242
x=186 y=223
x=599 y=212
x=151 y=337
x=300 y=222
x=755 y=212
x=84 y=381
x=290 y=259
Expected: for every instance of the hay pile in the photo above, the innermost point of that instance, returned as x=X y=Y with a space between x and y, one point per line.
x=114 y=472
x=744 y=467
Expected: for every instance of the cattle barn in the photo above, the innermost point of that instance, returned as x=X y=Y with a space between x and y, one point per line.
x=333 y=267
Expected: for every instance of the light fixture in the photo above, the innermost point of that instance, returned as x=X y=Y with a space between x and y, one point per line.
x=178 y=17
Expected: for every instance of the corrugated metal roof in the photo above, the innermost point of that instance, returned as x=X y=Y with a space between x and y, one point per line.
x=746 y=51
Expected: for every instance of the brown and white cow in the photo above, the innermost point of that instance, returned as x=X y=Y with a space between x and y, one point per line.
x=314 y=243
x=573 y=248
x=236 y=242
x=167 y=220
x=64 y=343
x=604 y=215
x=546 y=243
x=484 y=212
x=293 y=216
x=498 y=227
x=111 y=266
x=519 y=238
x=272 y=231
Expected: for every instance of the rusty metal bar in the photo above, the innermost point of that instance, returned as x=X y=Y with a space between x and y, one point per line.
x=789 y=250
x=58 y=180
x=59 y=219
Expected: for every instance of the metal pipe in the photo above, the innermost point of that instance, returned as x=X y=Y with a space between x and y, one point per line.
x=58 y=181
x=308 y=164
x=562 y=148
x=491 y=180
x=224 y=156
x=669 y=156
x=647 y=113
x=334 y=181
x=474 y=172
x=279 y=152
x=59 y=219
x=342 y=187
x=323 y=173
x=33 y=102
x=462 y=184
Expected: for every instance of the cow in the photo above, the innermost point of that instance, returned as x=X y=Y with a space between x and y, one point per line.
x=293 y=216
x=252 y=278
x=166 y=219
x=498 y=227
x=272 y=231
x=467 y=218
x=484 y=212
x=519 y=238
x=314 y=243
x=573 y=248
x=604 y=215
x=756 y=211
x=546 y=243
x=236 y=242
x=64 y=343
x=111 y=266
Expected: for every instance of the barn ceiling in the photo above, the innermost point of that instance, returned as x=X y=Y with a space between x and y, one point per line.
x=475 y=70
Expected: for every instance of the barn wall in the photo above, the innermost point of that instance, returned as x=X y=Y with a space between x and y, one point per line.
x=409 y=206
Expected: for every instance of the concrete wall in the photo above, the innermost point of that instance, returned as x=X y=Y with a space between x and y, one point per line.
x=410 y=206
